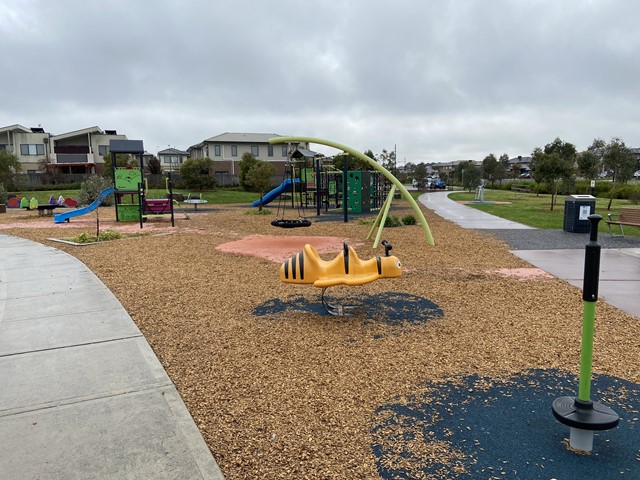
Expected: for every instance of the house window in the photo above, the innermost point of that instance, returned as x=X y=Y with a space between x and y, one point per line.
x=103 y=150
x=3 y=147
x=270 y=150
x=32 y=149
x=255 y=150
x=170 y=159
x=284 y=151
x=234 y=150
x=217 y=150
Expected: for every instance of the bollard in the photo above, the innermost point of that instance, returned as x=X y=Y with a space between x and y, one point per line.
x=582 y=415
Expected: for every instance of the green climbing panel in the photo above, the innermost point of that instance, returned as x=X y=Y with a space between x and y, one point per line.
x=128 y=213
x=128 y=178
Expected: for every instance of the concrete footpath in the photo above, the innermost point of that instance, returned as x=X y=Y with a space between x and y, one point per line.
x=561 y=256
x=82 y=394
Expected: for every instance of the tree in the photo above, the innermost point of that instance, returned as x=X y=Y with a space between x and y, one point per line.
x=247 y=162
x=122 y=160
x=420 y=174
x=388 y=160
x=489 y=165
x=353 y=163
x=153 y=166
x=620 y=160
x=472 y=176
x=259 y=178
x=550 y=167
x=588 y=164
x=197 y=173
x=91 y=188
x=9 y=168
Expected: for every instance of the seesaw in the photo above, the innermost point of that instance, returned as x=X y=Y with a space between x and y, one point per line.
x=306 y=267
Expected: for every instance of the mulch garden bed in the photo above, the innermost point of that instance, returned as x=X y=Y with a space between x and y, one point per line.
x=279 y=389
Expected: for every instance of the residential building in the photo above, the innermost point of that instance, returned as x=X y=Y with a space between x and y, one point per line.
x=226 y=151
x=31 y=145
x=80 y=151
x=520 y=162
x=171 y=159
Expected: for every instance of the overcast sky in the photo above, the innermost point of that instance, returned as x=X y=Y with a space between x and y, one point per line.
x=442 y=80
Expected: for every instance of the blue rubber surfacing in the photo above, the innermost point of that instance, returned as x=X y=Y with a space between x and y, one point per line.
x=474 y=427
x=393 y=308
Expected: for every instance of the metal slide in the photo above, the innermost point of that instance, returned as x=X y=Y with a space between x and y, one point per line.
x=64 y=217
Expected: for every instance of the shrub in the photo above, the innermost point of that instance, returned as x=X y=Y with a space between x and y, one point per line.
x=91 y=188
x=3 y=194
x=392 y=221
x=409 y=220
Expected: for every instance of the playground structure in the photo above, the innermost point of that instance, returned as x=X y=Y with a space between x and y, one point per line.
x=396 y=184
x=307 y=268
x=315 y=184
x=129 y=182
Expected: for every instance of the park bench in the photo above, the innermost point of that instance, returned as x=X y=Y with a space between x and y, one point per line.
x=628 y=216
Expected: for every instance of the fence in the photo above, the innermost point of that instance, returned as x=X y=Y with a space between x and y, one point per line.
x=36 y=179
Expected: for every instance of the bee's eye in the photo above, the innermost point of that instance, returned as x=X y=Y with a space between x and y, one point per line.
x=398 y=263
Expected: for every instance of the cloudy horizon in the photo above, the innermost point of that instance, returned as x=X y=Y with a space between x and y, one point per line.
x=439 y=80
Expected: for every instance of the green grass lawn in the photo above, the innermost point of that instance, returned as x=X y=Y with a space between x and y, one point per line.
x=43 y=196
x=535 y=210
x=218 y=196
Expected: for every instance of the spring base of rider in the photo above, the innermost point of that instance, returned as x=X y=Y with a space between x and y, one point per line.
x=337 y=310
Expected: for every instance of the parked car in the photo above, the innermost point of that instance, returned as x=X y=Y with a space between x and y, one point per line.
x=525 y=175
x=637 y=174
x=441 y=184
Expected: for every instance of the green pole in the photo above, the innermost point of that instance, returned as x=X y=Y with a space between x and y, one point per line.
x=372 y=163
x=378 y=217
x=384 y=217
x=586 y=352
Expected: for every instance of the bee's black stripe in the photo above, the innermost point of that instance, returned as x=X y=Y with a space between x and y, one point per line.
x=346 y=258
x=286 y=269
x=379 y=262
x=294 y=259
x=301 y=259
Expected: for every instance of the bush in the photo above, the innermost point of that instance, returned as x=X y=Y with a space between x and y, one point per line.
x=392 y=221
x=625 y=191
x=3 y=194
x=409 y=220
x=91 y=188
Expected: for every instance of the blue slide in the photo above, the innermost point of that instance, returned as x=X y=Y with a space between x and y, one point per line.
x=276 y=192
x=64 y=217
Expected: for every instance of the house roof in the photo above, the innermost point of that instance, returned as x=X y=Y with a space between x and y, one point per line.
x=84 y=131
x=76 y=133
x=515 y=160
x=16 y=127
x=172 y=151
x=243 y=137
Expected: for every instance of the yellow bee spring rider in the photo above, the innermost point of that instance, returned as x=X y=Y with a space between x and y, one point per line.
x=306 y=267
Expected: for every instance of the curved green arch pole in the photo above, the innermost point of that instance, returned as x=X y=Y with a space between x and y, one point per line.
x=374 y=164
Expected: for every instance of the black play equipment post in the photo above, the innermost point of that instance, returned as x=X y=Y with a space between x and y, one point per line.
x=580 y=413
x=318 y=187
x=170 y=195
x=345 y=166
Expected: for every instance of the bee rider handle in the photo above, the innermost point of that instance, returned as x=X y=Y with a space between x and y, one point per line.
x=387 y=247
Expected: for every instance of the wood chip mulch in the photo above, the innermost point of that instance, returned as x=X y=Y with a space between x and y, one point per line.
x=293 y=395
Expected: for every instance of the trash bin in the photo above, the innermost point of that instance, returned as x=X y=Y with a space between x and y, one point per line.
x=577 y=209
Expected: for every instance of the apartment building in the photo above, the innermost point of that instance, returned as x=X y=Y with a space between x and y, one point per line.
x=79 y=151
x=226 y=151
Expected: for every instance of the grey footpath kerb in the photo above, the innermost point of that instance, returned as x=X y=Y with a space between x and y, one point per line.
x=82 y=394
x=619 y=267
